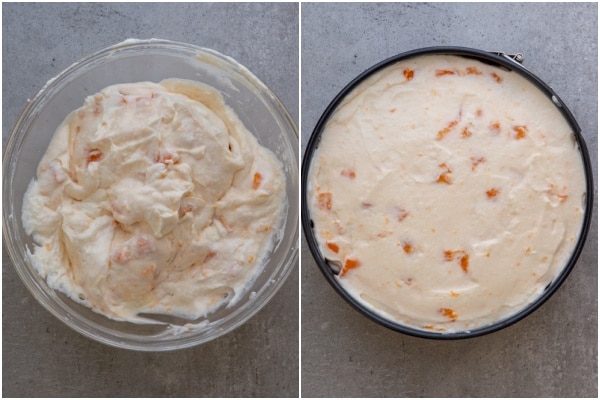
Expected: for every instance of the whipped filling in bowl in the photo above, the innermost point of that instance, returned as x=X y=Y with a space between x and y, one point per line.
x=446 y=193
x=153 y=198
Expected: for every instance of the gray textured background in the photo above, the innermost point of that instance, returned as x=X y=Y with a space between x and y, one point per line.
x=553 y=352
x=41 y=356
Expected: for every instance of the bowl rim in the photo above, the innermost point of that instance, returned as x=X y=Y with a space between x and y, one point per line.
x=12 y=150
x=498 y=59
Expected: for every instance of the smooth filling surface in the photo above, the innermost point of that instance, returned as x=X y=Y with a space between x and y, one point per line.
x=448 y=193
x=153 y=198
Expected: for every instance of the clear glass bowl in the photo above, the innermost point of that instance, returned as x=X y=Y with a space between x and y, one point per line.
x=135 y=61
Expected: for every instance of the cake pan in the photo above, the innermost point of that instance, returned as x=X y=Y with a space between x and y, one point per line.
x=511 y=62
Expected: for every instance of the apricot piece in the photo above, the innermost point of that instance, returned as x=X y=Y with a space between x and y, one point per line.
x=451 y=255
x=256 y=181
x=445 y=176
x=94 y=155
x=449 y=313
x=555 y=192
x=448 y=255
x=520 y=131
x=348 y=265
x=333 y=247
x=464 y=262
x=497 y=77
x=348 y=173
x=443 y=132
x=409 y=74
x=324 y=201
x=442 y=72
x=493 y=192
x=473 y=71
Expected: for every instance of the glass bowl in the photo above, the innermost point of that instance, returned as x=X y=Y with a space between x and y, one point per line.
x=151 y=60
x=501 y=60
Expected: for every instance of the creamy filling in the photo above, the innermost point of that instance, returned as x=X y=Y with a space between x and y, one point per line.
x=448 y=193
x=153 y=198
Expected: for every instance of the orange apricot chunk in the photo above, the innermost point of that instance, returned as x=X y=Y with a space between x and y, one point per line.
x=324 y=201
x=333 y=247
x=449 y=313
x=555 y=192
x=348 y=265
x=493 y=192
x=562 y=197
x=445 y=176
x=256 y=181
x=520 y=131
x=94 y=155
x=464 y=262
x=497 y=77
x=409 y=74
x=348 y=173
x=443 y=132
x=450 y=255
x=442 y=72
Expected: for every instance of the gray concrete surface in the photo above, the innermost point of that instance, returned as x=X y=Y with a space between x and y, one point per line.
x=41 y=356
x=551 y=353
